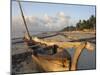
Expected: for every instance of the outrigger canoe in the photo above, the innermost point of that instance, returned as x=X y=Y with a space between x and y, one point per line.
x=52 y=56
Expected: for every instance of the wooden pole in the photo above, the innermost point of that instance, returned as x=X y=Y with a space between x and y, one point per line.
x=24 y=19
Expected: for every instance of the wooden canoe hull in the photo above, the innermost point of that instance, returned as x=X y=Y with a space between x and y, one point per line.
x=57 y=62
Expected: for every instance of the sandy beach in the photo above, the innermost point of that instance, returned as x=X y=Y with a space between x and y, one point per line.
x=23 y=63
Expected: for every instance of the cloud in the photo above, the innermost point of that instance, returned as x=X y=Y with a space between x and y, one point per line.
x=46 y=23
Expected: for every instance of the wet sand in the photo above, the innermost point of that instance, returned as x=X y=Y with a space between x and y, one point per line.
x=22 y=62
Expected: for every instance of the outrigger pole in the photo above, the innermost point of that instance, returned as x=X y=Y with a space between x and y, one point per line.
x=24 y=19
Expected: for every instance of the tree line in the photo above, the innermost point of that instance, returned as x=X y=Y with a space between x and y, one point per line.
x=89 y=24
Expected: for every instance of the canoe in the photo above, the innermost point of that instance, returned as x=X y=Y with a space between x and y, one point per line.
x=49 y=57
x=52 y=56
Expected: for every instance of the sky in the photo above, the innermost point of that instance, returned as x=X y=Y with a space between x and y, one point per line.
x=49 y=16
x=39 y=9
